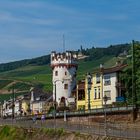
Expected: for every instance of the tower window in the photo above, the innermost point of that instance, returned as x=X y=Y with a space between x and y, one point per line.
x=56 y=73
x=52 y=58
x=65 y=86
x=65 y=73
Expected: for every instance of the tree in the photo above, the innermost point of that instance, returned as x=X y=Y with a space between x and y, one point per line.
x=133 y=95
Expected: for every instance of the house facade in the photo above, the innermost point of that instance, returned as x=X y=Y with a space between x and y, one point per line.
x=104 y=82
x=7 y=108
x=113 y=87
x=96 y=90
x=38 y=101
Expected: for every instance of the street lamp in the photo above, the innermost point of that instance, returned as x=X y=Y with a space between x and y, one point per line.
x=89 y=88
x=105 y=98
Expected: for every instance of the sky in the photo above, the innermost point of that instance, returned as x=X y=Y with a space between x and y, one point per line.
x=32 y=28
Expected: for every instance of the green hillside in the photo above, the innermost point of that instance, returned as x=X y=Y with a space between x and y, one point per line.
x=37 y=72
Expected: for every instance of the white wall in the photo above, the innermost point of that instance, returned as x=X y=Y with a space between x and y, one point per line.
x=63 y=79
x=17 y=107
x=111 y=87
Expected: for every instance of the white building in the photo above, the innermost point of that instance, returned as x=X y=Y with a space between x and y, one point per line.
x=39 y=100
x=113 y=87
x=17 y=107
x=7 y=108
x=64 y=66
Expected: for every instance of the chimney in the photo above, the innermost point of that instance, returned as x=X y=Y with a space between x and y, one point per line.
x=101 y=66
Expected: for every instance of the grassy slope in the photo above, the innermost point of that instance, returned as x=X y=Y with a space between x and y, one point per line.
x=19 y=133
x=43 y=74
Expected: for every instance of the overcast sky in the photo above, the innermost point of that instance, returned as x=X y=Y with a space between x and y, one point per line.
x=31 y=28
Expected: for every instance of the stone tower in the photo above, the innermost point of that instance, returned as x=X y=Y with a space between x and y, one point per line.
x=64 y=66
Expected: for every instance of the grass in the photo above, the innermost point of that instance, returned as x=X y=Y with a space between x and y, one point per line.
x=90 y=66
x=4 y=83
x=18 y=133
x=19 y=86
x=8 y=96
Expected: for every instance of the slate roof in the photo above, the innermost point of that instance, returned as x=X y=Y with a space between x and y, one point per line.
x=112 y=69
x=40 y=95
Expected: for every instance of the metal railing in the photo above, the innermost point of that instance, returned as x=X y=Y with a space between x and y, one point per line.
x=128 y=131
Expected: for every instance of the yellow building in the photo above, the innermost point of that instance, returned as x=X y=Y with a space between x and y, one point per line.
x=25 y=106
x=103 y=83
x=90 y=96
x=96 y=90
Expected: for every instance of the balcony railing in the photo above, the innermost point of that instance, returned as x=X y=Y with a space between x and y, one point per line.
x=120 y=99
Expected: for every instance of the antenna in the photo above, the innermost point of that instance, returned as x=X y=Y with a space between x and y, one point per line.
x=63 y=43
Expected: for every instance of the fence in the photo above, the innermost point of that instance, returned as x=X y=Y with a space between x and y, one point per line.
x=128 y=131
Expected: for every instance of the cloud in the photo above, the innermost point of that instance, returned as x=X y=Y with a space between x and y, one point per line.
x=8 y=17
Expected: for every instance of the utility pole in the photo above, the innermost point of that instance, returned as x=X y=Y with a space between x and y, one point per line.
x=89 y=88
x=134 y=96
x=105 y=98
x=63 y=43
x=55 y=105
x=133 y=75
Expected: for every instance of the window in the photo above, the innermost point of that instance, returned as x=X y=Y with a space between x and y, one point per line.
x=81 y=107
x=56 y=73
x=107 y=80
x=65 y=86
x=52 y=58
x=81 y=94
x=99 y=93
x=97 y=78
x=95 y=93
x=65 y=73
x=107 y=93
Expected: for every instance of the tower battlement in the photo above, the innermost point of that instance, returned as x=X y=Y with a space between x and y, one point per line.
x=68 y=59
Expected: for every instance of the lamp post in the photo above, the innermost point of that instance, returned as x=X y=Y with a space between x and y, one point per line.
x=105 y=98
x=89 y=88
